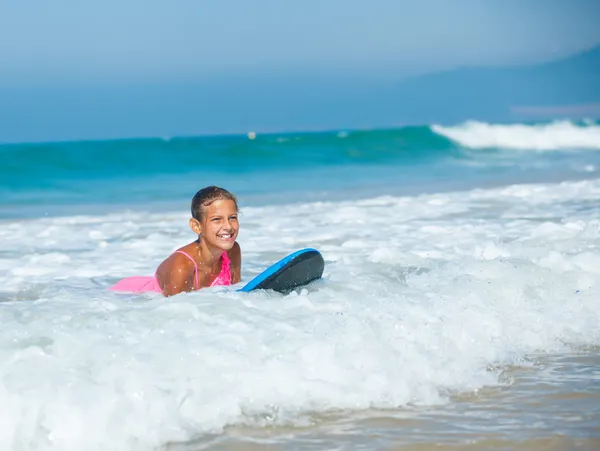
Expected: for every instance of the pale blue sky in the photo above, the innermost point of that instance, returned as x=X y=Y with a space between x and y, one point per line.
x=67 y=41
x=80 y=69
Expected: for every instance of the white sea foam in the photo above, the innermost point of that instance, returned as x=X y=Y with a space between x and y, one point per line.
x=421 y=297
x=559 y=135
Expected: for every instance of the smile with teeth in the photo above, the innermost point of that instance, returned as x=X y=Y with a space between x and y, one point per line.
x=225 y=236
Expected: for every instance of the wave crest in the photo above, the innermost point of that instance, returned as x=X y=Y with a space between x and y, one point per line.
x=558 y=135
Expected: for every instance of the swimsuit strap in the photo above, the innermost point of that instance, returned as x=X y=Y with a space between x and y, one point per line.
x=224 y=277
x=195 y=265
x=226 y=260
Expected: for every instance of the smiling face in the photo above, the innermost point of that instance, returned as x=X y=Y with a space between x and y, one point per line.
x=218 y=225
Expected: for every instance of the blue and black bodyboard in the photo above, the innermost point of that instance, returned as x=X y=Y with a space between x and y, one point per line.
x=295 y=270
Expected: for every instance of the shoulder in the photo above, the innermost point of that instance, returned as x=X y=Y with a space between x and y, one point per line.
x=176 y=263
x=235 y=256
x=176 y=274
x=235 y=253
x=236 y=249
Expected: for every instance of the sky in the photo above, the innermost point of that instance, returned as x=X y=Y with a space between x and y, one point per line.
x=69 y=48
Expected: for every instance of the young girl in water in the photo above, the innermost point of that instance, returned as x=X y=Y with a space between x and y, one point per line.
x=213 y=259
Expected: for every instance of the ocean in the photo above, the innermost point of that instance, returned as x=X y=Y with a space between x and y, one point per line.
x=459 y=307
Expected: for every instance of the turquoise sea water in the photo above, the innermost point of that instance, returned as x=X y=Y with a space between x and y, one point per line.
x=459 y=307
x=55 y=178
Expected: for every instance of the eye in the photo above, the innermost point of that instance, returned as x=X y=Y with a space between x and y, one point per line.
x=233 y=218
x=215 y=219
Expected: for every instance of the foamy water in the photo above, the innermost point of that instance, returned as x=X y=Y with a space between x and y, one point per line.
x=423 y=299
x=559 y=135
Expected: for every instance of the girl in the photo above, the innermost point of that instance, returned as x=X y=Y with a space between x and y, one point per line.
x=213 y=259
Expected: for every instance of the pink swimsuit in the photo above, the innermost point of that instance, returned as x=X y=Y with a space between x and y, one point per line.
x=138 y=284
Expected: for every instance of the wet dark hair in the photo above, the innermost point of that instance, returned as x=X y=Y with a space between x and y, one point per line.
x=207 y=196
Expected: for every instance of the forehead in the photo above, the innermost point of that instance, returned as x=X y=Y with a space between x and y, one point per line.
x=220 y=207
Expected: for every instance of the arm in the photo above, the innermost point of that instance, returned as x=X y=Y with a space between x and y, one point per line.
x=176 y=275
x=235 y=255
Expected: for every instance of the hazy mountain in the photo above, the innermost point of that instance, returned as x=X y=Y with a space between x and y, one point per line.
x=492 y=93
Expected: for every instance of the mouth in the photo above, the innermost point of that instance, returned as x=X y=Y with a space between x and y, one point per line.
x=225 y=236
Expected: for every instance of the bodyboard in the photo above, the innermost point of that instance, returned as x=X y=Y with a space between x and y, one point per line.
x=296 y=270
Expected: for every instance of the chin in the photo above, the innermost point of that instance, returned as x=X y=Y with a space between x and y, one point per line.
x=228 y=246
